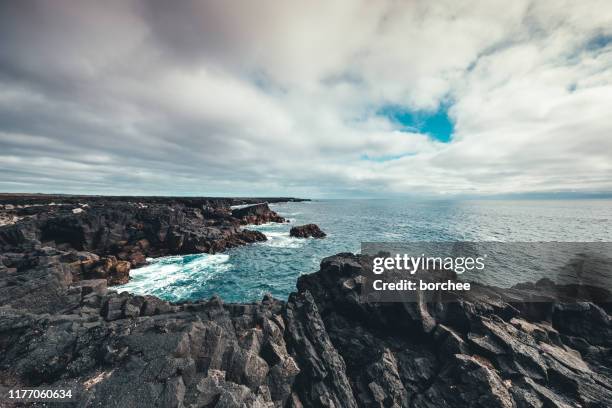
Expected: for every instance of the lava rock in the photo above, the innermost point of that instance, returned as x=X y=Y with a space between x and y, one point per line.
x=257 y=214
x=307 y=231
x=62 y=328
x=132 y=232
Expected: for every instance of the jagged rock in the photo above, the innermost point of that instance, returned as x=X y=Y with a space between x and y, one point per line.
x=88 y=286
x=137 y=259
x=256 y=214
x=307 y=231
x=323 y=347
x=132 y=232
x=113 y=309
x=505 y=358
x=153 y=306
x=323 y=376
x=585 y=320
x=85 y=266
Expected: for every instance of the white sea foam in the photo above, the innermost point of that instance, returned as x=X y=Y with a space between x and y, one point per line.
x=164 y=272
x=282 y=240
x=238 y=206
x=263 y=226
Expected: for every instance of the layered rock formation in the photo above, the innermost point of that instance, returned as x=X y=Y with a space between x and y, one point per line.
x=320 y=348
x=490 y=348
x=307 y=231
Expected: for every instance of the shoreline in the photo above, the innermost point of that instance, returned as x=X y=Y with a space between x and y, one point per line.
x=321 y=344
x=131 y=230
x=63 y=327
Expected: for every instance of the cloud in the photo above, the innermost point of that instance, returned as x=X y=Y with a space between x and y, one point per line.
x=203 y=97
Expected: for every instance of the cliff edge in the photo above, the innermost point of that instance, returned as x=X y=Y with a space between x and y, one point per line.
x=322 y=347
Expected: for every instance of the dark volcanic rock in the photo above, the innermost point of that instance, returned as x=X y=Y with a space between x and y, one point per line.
x=133 y=231
x=479 y=351
x=321 y=348
x=307 y=231
x=86 y=265
x=24 y=201
x=62 y=328
x=257 y=214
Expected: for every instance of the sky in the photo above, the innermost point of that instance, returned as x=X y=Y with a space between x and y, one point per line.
x=308 y=98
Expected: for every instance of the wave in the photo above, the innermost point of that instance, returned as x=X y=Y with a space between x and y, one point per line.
x=238 y=206
x=274 y=225
x=282 y=240
x=175 y=276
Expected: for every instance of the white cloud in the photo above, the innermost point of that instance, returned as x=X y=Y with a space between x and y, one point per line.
x=282 y=98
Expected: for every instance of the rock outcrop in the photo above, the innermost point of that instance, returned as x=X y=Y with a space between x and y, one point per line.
x=132 y=231
x=257 y=214
x=320 y=348
x=307 y=231
x=86 y=266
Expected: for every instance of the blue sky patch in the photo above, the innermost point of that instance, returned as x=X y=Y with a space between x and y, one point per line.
x=598 y=42
x=437 y=125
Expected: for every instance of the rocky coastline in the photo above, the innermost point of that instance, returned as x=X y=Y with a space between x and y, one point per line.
x=62 y=327
x=105 y=238
x=307 y=231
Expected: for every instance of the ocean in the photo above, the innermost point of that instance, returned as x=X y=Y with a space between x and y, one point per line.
x=247 y=273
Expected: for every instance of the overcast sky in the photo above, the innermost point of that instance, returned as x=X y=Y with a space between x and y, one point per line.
x=316 y=99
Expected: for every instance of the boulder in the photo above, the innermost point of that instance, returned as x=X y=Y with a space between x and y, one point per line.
x=307 y=231
x=98 y=286
x=257 y=214
x=120 y=273
x=90 y=266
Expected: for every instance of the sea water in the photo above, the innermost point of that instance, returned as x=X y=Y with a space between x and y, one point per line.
x=247 y=273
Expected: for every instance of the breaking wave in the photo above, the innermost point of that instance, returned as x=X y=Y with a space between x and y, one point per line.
x=175 y=277
x=246 y=273
x=282 y=240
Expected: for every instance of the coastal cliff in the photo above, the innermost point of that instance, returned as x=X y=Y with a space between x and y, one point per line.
x=105 y=238
x=62 y=327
